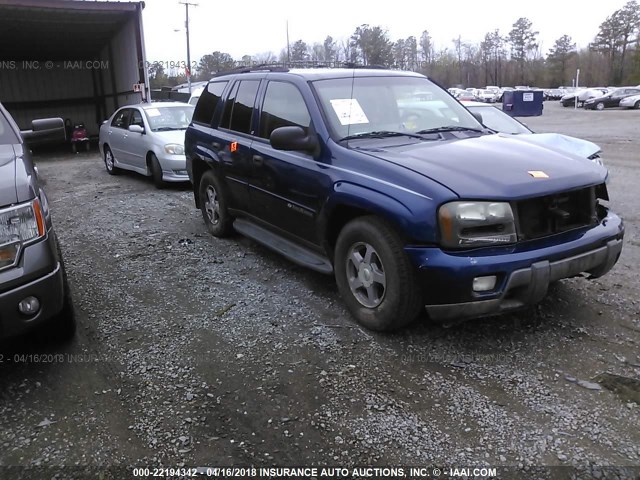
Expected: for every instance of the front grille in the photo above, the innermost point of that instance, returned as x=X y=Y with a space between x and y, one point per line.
x=543 y=216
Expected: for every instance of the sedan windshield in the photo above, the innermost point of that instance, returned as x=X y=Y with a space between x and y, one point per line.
x=359 y=106
x=169 y=118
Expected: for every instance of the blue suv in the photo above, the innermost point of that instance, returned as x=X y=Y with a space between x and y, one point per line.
x=384 y=180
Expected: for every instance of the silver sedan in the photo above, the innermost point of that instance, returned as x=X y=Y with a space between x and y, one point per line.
x=147 y=138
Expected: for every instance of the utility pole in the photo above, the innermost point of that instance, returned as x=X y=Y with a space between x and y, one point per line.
x=288 y=52
x=186 y=25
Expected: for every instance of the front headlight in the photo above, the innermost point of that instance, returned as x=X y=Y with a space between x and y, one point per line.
x=174 y=149
x=465 y=224
x=19 y=225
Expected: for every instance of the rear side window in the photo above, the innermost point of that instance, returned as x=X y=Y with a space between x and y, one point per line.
x=283 y=107
x=209 y=99
x=239 y=108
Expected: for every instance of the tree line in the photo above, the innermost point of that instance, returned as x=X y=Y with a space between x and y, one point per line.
x=503 y=59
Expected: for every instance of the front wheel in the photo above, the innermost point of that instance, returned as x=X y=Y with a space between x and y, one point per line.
x=599 y=106
x=156 y=171
x=109 y=162
x=374 y=275
x=637 y=105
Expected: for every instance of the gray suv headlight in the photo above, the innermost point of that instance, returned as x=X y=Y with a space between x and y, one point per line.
x=466 y=224
x=19 y=225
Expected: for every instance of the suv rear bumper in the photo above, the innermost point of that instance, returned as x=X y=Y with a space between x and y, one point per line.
x=48 y=288
x=522 y=277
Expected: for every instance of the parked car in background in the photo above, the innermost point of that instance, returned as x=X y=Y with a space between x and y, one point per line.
x=631 y=102
x=611 y=99
x=410 y=204
x=466 y=95
x=486 y=96
x=34 y=292
x=195 y=95
x=582 y=95
x=500 y=122
x=148 y=139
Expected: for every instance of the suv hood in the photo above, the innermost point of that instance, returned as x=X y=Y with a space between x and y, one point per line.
x=8 y=194
x=493 y=167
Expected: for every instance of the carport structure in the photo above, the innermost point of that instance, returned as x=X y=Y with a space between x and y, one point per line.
x=78 y=60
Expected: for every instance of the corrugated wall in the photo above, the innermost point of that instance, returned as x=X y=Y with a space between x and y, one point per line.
x=86 y=91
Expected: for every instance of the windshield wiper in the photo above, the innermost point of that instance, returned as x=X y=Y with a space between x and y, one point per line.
x=451 y=128
x=166 y=129
x=381 y=134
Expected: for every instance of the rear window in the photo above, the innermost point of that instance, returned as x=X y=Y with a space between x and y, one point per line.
x=207 y=103
x=7 y=135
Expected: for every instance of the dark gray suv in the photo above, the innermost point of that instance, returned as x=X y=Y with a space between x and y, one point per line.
x=33 y=284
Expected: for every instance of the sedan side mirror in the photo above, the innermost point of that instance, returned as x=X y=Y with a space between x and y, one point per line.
x=136 y=129
x=293 y=138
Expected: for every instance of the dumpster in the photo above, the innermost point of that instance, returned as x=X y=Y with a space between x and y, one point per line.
x=523 y=103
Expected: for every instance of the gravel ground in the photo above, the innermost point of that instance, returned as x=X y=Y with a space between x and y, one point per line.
x=194 y=351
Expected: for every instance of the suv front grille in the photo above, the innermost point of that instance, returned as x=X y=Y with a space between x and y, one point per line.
x=543 y=216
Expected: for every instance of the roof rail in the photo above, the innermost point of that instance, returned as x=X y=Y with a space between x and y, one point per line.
x=263 y=67
x=357 y=65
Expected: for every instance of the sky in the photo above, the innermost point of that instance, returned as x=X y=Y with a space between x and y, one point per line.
x=254 y=27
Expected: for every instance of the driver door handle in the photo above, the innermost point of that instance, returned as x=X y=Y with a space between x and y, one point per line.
x=258 y=160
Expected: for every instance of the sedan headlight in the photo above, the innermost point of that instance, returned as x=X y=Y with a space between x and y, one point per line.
x=19 y=225
x=174 y=149
x=476 y=224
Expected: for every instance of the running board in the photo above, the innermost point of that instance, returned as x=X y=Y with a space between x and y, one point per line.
x=294 y=252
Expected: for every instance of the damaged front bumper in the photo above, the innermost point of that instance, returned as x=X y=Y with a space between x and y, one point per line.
x=523 y=276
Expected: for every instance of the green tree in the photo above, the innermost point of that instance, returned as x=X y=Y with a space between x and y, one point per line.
x=214 y=62
x=523 y=42
x=299 y=52
x=492 y=55
x=372 y=45
x=562 y=51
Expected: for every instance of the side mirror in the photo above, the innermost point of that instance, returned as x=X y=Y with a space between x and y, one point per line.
x=478 y=116
x=45 y=131
x=136 y=129
x=293 y=138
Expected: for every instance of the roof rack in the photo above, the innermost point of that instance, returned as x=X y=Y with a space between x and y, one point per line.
x=264 y=67
x=357 y=65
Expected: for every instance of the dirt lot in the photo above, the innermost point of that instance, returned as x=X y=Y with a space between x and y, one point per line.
x=194 y=351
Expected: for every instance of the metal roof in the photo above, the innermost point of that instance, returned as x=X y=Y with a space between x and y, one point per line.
x=60 y=29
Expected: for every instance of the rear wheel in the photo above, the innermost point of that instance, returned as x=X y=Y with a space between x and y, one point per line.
x=214 y=206
x=374 y=275
x=599 y=106
x=156 y=171
x=637 y=105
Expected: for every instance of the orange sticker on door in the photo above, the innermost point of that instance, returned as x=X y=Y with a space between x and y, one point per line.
x=233 y=147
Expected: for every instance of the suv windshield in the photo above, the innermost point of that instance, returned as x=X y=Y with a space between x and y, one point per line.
x=361 y=105
x=169 y=118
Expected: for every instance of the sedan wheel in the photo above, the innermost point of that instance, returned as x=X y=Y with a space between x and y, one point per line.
x=109 y=162
x=599 y=106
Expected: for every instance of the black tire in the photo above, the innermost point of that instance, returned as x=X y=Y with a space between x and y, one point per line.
x=637 y=105
x=109 y=162
x=62 y=327
x=74 y=148
x=87 y=146
x=156 y=171
x=400 y=300
x=599 y=106
x=214 y=197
